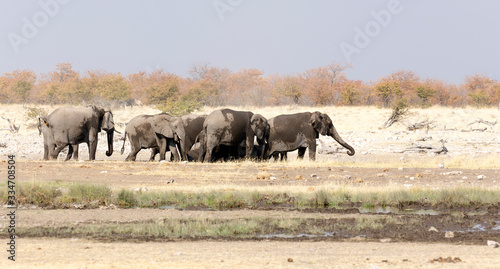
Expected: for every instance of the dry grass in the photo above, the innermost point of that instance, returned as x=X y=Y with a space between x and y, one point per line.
x=220 y=198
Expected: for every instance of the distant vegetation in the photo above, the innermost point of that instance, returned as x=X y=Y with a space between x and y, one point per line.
x=215 y=86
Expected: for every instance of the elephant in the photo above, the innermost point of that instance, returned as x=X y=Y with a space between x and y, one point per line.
x=299 y=131
x=193 y=125
x=157 y=132
x=222 y=152
x=232 y=128
x=73 y=149
x=68 y=126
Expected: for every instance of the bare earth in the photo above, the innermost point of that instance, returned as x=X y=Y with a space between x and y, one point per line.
x=330 y=253
x=77 y=253
x=472 y=161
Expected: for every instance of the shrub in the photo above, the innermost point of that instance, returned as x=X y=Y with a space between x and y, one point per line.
x=86 y=193
x=35 y=112
x=38 y=194
x=126 y=198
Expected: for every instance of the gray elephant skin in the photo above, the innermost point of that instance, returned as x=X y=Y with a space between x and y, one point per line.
x=299 y=131
x=193 y=126
x=158 y=132
x=70 y=126
x=232 y=128
x=223 y=152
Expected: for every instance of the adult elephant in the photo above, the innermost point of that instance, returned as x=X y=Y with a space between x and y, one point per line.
x=193 y=125
x=299 y=131
x=231 y=128
x=69 y=126
x=156 y=132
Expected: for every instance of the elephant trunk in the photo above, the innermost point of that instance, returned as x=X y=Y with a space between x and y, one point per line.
x=110 y=134
x=336 y=136
x=180 y=137
x=259 y=134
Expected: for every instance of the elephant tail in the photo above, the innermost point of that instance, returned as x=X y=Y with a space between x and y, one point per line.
x=39 y=126
x=124 y=139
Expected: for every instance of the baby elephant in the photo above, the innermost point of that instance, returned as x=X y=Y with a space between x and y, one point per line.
x=157 y=132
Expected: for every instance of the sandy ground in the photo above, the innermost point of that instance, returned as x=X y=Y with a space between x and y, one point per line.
x=77 y=253
x=358 y=126
x=300 y=176
x=81 y=253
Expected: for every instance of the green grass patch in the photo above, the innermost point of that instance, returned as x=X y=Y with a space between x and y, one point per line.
x=43 y=194
x=198 y=228
x=87 y=193
x=54 y=194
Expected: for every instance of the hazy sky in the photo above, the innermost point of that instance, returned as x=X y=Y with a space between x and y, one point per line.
x=436 y=39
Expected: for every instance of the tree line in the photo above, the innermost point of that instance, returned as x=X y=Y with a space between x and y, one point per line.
x=208 y=85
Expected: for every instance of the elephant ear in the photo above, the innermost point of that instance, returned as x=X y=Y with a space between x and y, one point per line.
x=40 y=124
x=165 y=130
x=317 y=121
x=98 y=113
x=107 y=121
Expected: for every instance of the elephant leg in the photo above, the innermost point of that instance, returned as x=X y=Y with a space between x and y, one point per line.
x=56 y=152
x=172 y=156
x=162 y=146
x=249 y=148
x=284 y=156
x=45 y=151
x=162 y=143
x=209 y=151
x=75 y=152
x=173 y=149
x=154 y=151
x=132 y=155
x=52 y=148
x=70 y=153
x=134 y=149
x=201 y=155
x=92 y=145
x=312 y=150
x=302 y=152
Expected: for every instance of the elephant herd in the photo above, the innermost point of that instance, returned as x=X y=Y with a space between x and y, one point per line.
x=224 y=134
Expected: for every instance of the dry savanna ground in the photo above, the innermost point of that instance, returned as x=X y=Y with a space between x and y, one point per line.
x=382 y=167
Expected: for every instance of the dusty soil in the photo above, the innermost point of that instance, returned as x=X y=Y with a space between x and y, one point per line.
x=80 y=253
x=415 y=245
x=156 y=175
